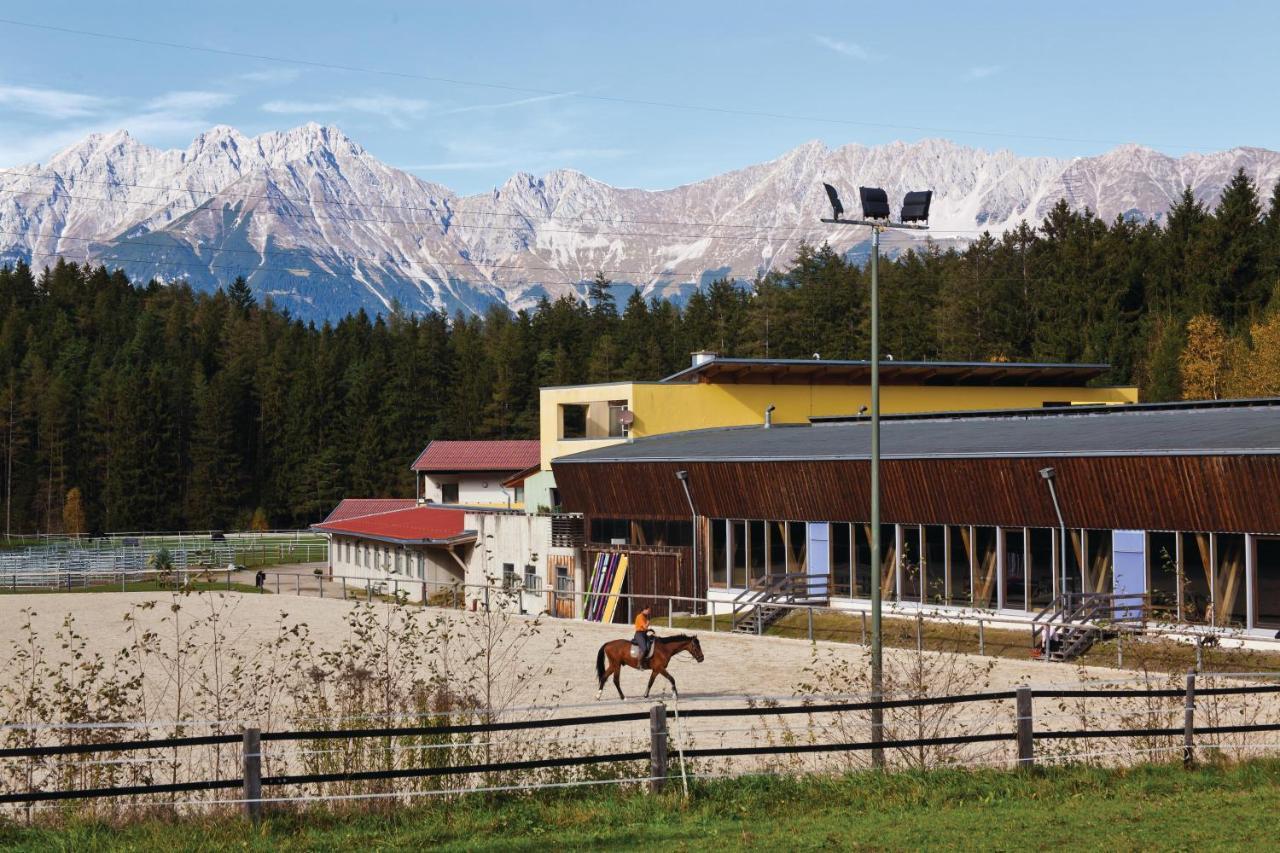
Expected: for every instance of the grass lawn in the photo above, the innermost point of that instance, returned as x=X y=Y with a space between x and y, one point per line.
x=1154 y=807
x=1146 y=653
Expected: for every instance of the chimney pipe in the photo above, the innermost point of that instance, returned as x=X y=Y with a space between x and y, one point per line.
x=768 y=416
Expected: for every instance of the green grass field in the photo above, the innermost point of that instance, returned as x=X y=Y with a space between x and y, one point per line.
x=1155 y=807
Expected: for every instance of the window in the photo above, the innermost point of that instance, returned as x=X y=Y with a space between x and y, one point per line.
x=798 y=548
x=959 y=572
x=841 y=559
x=1164 y=577
x=888 y=561
x=616 y=428
x=1040 y=573
x=422 y=566
x=1267 y=567
x=1098 y=568
x=862 y=560
x=910 y=563
x=935 y=564
x=757 y=550
x=399 y=562
x=1229 y=580
x=573 y=421
x=719 y=553
x=1015 y=568
x=449 y=493
x=738 y=552
x=1196 y=558
x=984 y=591
x=532 y=583
x=509 y=579
x=611 y=530
x=777 y=548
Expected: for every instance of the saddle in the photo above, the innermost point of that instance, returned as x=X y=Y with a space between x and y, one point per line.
x=635 y=649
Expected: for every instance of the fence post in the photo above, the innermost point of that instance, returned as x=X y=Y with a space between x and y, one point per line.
x=1120 y=649
x=297 y=584
x=863 y=614
x=669 y=614
x=1189 y=723
x=713 y=616
x=277 y=583
x=982 y=640
x=251 y=755
x=919 y=631
x=810 y=611
x=1026 y=747
x=368 y=589
x=657 y=747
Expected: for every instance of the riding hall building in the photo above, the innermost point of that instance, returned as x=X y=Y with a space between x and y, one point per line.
x=1179 y=501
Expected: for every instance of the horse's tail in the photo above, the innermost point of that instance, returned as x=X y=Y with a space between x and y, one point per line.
x=600 y=665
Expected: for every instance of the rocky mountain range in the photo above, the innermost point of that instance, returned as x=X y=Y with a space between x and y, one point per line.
x=321 y=226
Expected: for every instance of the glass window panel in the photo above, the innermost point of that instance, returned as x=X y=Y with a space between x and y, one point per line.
x=738 y=548
x=798 y=548
x=719 y=552
x=935 y=563
x=1041 y=590
x=777 y=548
x=1195 y=578
x=758 y=551
x=862 y=560
x=961 y=593
x=984 y=593
x=1268 y=589
x=1098 y=574
x=888 y=560
x=1162 y=574
x=910 y=563
x=841 y=560
x=1230 y=580
x=1015 y=569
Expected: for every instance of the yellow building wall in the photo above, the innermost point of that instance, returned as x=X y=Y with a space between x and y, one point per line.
x=662 y=408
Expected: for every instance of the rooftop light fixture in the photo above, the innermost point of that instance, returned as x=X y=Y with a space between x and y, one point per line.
x=915 y=206
x=875 y=203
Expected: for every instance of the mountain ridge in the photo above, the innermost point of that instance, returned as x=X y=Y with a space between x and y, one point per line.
x=314 y=220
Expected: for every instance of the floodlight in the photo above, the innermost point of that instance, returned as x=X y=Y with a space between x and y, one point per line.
x=682 y=476
x=1047 y=473
x=836 y=207
x=915 y=206
x=875 y=203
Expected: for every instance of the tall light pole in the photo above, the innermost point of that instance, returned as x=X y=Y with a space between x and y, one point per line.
x=683 y=477
x=875 y=215
x=1049 y=474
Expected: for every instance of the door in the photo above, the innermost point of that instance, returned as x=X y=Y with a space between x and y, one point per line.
x=561 y=585
x=819 y=558
x=1129 y=570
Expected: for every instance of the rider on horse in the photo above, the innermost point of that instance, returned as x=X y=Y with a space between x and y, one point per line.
x=641 y=639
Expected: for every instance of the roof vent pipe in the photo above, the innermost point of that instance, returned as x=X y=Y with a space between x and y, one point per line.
x=768 y=416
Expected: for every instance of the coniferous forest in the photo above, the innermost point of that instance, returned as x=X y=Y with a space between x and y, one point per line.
x=147 y=406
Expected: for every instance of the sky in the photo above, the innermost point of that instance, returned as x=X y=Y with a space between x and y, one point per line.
x=648 y=95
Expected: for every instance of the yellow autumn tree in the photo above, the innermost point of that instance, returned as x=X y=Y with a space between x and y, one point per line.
x=258 y=524
x=1255 y=366
x=1203 y=363
x=73 y=523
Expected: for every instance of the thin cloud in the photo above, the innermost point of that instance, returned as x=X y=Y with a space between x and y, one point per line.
x=272 y=75
x=847 y=48
x=536 y=160
x=189 y=101
x=983 y=71
x=479 y=108
x=394 y=109
x=50 y=103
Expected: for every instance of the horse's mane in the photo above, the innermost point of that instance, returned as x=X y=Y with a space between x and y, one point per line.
x=677 y=638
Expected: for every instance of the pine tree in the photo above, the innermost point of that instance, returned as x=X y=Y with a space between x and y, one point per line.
x=241 y=296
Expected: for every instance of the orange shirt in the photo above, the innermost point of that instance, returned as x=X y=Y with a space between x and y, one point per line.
x=642 y=622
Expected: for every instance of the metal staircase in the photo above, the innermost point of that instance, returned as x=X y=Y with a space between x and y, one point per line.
x=1073 y=622
x=756 y=608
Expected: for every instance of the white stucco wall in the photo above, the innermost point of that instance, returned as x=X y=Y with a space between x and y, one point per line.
x=387 y=563
x=517 y=540
x=474 y=488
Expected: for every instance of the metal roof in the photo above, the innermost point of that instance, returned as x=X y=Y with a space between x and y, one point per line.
x=451 y=456
x=419 y=525
x=1252 y=428
x=846 y=372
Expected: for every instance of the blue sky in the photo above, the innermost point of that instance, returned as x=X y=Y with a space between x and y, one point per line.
x=1061 y=79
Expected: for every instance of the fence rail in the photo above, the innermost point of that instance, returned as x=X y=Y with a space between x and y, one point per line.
x=1023 y=732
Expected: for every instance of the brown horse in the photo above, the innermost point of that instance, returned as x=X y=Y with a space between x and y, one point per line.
x=618 y=652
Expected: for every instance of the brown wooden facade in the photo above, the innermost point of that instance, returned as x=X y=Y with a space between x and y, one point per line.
x=1239 y=494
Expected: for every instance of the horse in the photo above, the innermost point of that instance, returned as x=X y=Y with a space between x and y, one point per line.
x=618 y=652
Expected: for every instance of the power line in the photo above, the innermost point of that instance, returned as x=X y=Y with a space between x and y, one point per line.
x=529 y=90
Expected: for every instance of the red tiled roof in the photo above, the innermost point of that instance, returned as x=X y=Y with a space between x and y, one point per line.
x=417 y=524
x=478 y=456
x=356 y=507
